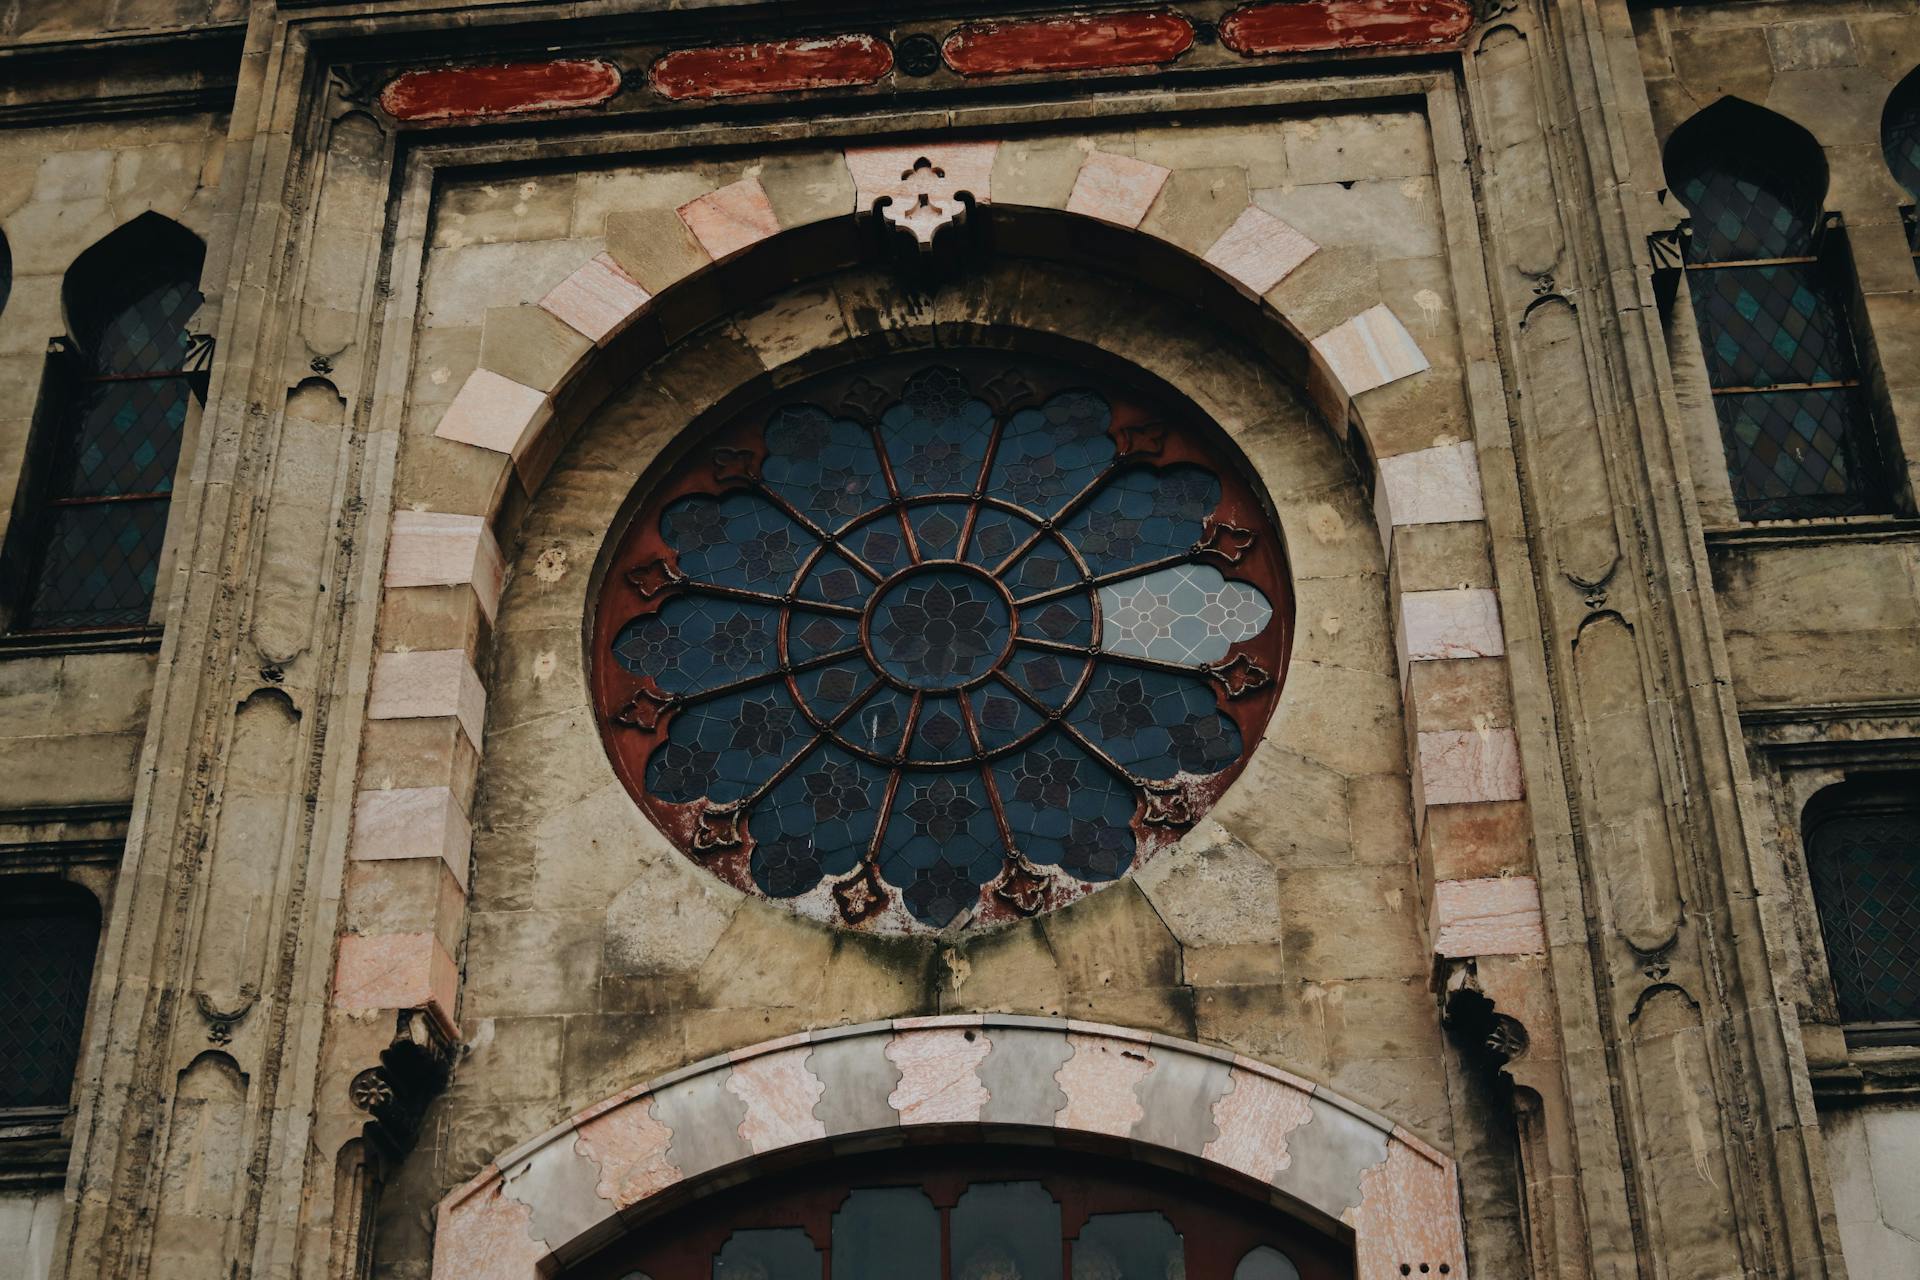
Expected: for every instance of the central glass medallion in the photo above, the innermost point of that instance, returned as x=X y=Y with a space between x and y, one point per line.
x=939 y=626
x=940 y=643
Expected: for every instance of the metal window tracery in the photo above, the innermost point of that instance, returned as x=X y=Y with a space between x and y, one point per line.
x=949 y=640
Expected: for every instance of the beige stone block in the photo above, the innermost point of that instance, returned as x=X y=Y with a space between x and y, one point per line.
x=463 y=283
x=1380 y=819
x=1117 y=189
x=1464 y=767
x=566 y=979
x=531 y=347
x=599 y=300
x=396 y=971
x=1259 y=250
x=432 y=548
x=441 y=362
x=1213 y=889
x=1370 y=350
x=1463 y=622
x=1196 y=206
x=413 y=822
x=1397 y=218
x=428 y=685
x=406 y=895
x=807 y=187
x=1038 y=172
x=434 y=618
x=1348 y=146
x=1465 y=693
x=1723 y=61
x=1499 y=916
x=497 y=413
x=397 y=754
x=534 y=207
x=1434 y=557
x=654 y=247
x=1009 y=970
x=1477 y=841
x=730 y=219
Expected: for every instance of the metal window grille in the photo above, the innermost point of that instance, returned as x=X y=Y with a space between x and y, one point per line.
x=47 y=945
x=1863 y=855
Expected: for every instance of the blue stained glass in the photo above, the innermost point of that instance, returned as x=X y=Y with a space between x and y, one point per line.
x=1156 y=724
x=1050 y=453
x=941 y=733
x=938 y=627
x=1143 y=515
x=824 y=466
x=811 y=634
x=740 y=740
x=997 y=534
x=1043 y=568
x=880 y=724
x=699 y=642
x=1064 y=619
x=941 y=844
x=881 y=544
x=1001 y=717
x=937 y=526
x=816 y=822
x=835 y=581
x=829 y=690
x=936 y=436
x=1070 y=810
x=1050 y=677
x=739 y=540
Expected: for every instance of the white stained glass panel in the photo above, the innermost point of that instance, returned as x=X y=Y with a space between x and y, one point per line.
x=1188 y=614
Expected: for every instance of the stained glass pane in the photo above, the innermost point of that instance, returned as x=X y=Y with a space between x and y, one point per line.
x=1266 y=1263
x=1006 y=1231
x=1129 y=1246
x=150 y=334
x=98 y=565
x=770 y=1253
x=935 y=696
x=1865 y=867
x=886 y=1233
x=1765 y=325
x=1793 y=454
x=47 y=955
x=1762 y=209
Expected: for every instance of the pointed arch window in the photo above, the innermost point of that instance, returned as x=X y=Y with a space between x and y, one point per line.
x=49 y=932
x=1862 y=839
x=1771 y=286
x=112 y=415
x=1900 y=141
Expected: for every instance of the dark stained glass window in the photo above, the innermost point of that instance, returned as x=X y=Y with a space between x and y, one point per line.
x=1770 y=289
x=1900 y=140
x=48 y=934
x=107 y=479
x=975 y=1212
x=1863 y=854
x=946 y=640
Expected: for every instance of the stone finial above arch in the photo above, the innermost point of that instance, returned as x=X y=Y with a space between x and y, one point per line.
x=580 y=1184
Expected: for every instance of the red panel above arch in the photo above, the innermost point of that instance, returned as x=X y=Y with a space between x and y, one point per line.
x=1068 y=44
x=511 y=88
x=773 y=66
x=1317 y=25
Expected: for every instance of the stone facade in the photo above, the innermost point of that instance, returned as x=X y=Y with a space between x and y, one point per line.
x=1500 y=957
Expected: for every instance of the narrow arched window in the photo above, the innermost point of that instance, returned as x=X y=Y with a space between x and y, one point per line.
x=49 y=931
x=1900 y=141
x=1863 y=856
x=108 y=439
x=1771 y=285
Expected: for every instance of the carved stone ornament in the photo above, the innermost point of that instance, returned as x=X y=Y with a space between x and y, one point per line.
x=413 y=1069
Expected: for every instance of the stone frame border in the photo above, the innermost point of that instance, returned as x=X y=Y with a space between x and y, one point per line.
x=444 y=565
x=592 y=1177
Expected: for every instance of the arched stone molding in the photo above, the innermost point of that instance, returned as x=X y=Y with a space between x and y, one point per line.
x=590 y=1178
x=548 y=363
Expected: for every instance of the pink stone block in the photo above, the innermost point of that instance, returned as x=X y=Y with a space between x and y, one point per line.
x=492 y=412
x=1464 y=766
x=1437 y=625
x=1440 y=485
x=486 y=1236
x=413 y=822
x=728 y=220
x=1370 y=350
x=435 y=549
x=630 y=1147
x=395 y=971
x=780 y=1093
x=1409 y=1211
x=1116 y=189
x=598 y=301
x=939 y=1075
x=1498 y=916
x=1260 y=250
x=1099 y=1081
x=1254 y=1117
x=426 y=685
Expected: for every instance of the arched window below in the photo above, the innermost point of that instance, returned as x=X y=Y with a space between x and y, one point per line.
x=108 y=436
x=975 y=1212
x=1772 y=288
x=49 y=931
x=1900 y=141
x=1862 y=840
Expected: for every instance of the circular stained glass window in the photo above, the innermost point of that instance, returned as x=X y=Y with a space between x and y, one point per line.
x=942 y=641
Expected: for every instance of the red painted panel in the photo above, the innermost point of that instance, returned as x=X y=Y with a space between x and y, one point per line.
x=501 y=90
x=774 y=66
x=1067 y=44
x=1344 y=24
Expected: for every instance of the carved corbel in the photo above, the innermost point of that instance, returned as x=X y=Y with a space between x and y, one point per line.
x=413 y=1069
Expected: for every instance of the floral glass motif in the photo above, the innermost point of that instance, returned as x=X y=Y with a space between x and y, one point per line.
x=941 y=642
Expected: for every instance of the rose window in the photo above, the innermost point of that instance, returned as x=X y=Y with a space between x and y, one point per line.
x=941 y=642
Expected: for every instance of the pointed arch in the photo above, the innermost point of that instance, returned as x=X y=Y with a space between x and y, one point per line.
x=106 y=443
x=1772 y=291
